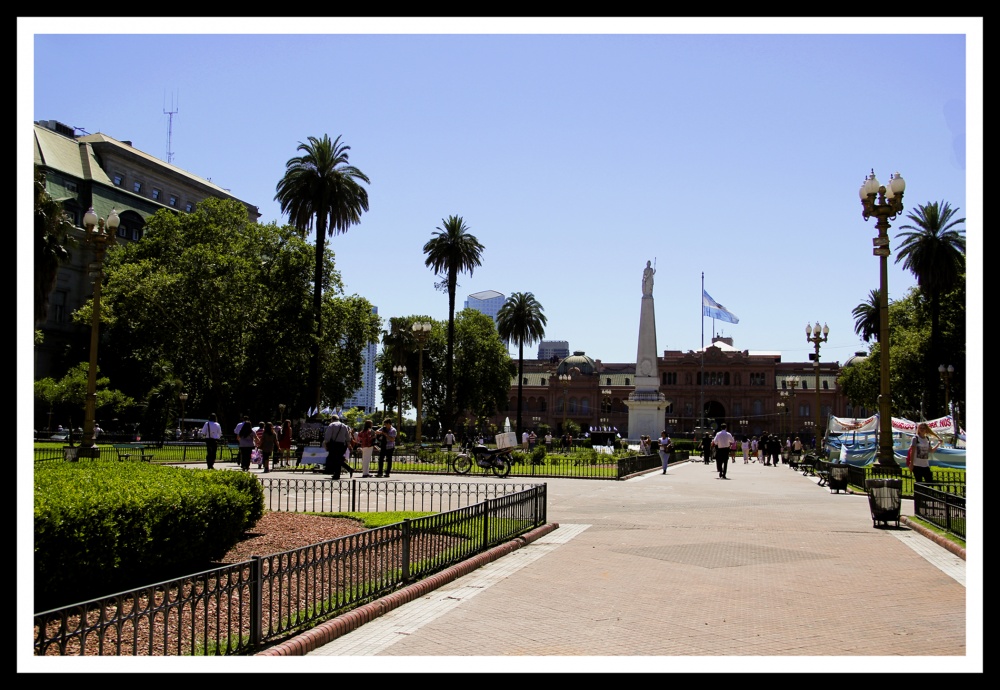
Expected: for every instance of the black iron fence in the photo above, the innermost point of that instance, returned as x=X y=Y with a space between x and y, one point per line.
x=942 y=505
x=858 y=475
x=240 y=608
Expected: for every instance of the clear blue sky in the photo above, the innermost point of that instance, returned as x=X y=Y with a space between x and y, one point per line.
x=575 y=150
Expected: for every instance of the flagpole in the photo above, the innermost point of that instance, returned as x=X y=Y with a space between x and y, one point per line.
x=701 y=401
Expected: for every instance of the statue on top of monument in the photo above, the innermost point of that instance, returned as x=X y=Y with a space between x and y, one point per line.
x=647 y=279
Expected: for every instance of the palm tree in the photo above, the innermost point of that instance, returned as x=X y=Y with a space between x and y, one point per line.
x=521 y=321
x=51 y=238
x=451 y=251
x=934 y=251
x=321 y=187
x=866 y=317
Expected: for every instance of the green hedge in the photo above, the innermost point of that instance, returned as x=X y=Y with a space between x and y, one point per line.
x=105 y=526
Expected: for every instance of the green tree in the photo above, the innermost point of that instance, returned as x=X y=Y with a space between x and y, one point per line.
x=52 y=228
x=68 y=395
x=483 y=366
x=451 y=251
x=521 y=321
x=866 y=317
x=934 y=251
x=320 y=187
x=220 y=306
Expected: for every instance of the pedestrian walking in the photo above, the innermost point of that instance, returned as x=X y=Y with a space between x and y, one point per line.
x=337 y=441
x=449 y=441
x=745 y=445
x=285 y=444
x=753 y=448
x=706 y=447
x=211 y=432
x=247 y=441
x=268 y=445
x=665 y=450
x=722 y=442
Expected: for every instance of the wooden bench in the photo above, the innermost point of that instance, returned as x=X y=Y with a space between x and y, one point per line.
x=127 y=450
x=822 y=470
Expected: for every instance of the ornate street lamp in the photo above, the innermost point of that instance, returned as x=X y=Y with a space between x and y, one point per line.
x=781 y=413
x=399 y=370
x=945 y=373
x=180 y=423
x=793 y=383
x=565 y=379
x=887 y=206
x=421 y=330
x=817 y=335
x=281 y=413
x=100 y=234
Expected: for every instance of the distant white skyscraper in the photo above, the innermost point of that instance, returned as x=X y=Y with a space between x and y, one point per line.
x=364 y=397
x=553 y=348
x=486 y=302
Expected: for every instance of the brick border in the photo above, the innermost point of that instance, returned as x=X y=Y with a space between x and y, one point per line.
x=938 y=539
x=341 y=625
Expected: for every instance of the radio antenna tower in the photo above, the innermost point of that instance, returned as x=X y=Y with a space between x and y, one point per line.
x=170 y=125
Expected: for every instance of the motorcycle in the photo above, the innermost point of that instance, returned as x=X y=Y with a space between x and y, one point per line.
x=496 y=460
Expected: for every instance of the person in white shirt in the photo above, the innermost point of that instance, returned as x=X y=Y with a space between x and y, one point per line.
x=722 y=442
x=449 y=440
x=524 y=441
x=211 y=431
x=666 y=447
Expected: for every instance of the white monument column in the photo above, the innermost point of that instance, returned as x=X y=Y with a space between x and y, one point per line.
x=646 y=404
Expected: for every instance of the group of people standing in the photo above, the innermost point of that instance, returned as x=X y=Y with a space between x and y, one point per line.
x=339 y=440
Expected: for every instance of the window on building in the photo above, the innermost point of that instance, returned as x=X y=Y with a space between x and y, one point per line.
x=670 y=408
x=826 y=385
x=607 y=382
x=542 y=404
x=543 y=382
x=737 y=409
x=156 y=194
x=804 y=410
x=572 y=405
x=122 y=231
x=585 y=406
x=137 y=187
x=628 y=382
x=758 y=408
x=136 y=234
x=725 y=378
x=172 y=201
x=118 y=178
x=188 y=207
x=560 y=403
x=524 y=381
x=57 y=307
x=688 y=409
x=805 y=385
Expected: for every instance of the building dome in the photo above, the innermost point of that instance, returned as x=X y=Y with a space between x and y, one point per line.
x=579 y=361
x=856 y=358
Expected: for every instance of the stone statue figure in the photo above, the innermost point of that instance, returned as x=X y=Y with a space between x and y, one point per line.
x=647 y=279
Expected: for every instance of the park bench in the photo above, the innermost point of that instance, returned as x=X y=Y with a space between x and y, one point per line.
x=822 y=470
x=234 y=451
x=125 y=451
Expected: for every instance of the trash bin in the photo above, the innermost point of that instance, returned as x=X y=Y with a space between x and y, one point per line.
x=884 y=499
x=837 y=480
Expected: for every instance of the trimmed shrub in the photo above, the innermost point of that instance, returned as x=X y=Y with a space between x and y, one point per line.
x=103 y=526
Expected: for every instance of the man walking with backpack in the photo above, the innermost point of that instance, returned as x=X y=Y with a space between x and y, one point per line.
x=335 y=440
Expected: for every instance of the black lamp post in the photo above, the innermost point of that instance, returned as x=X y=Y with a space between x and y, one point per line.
x=887 y=205
x=817 y=335
x=100 y=234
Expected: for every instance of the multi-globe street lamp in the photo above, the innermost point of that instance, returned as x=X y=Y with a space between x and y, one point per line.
x=817 y=335
x=946 y=372
x=781 y=405
x=887 y=205
x=565 y=379
x=180 y=423
x=792 y=382
x=421 y=329
x=399 y=370
x=100 y=233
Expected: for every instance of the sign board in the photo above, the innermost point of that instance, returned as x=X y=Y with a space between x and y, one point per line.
x=313 y=455
x=507 y=439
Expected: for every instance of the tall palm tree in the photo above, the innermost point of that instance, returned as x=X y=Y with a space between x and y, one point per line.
x=320 y=187
x=520 y=320
x=934 y=251
x=866 y=317
x=451 y=251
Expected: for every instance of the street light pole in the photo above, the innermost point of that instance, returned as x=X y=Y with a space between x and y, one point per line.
x=888 y=205
x=818 y=335
x=565 y=379
x=100 y=234
x=399 y=370
x=945 y=373
x=180 y=424
x=421 y=329
x=781 y=413
x=793 y=382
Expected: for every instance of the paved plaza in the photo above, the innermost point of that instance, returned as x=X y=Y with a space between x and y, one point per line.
x=765 y=571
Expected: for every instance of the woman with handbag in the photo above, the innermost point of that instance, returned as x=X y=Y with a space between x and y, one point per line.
x=918 y=458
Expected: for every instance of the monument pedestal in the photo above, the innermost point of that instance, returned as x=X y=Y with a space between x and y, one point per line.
x=646 y=412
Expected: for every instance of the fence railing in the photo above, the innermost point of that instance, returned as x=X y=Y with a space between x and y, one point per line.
x=857 y=475
x=240 y=608
x=942 y=505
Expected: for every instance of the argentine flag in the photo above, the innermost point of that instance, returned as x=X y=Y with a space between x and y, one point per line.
x=709 y=307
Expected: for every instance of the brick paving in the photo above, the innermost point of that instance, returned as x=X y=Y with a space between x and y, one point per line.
x=764 y=571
